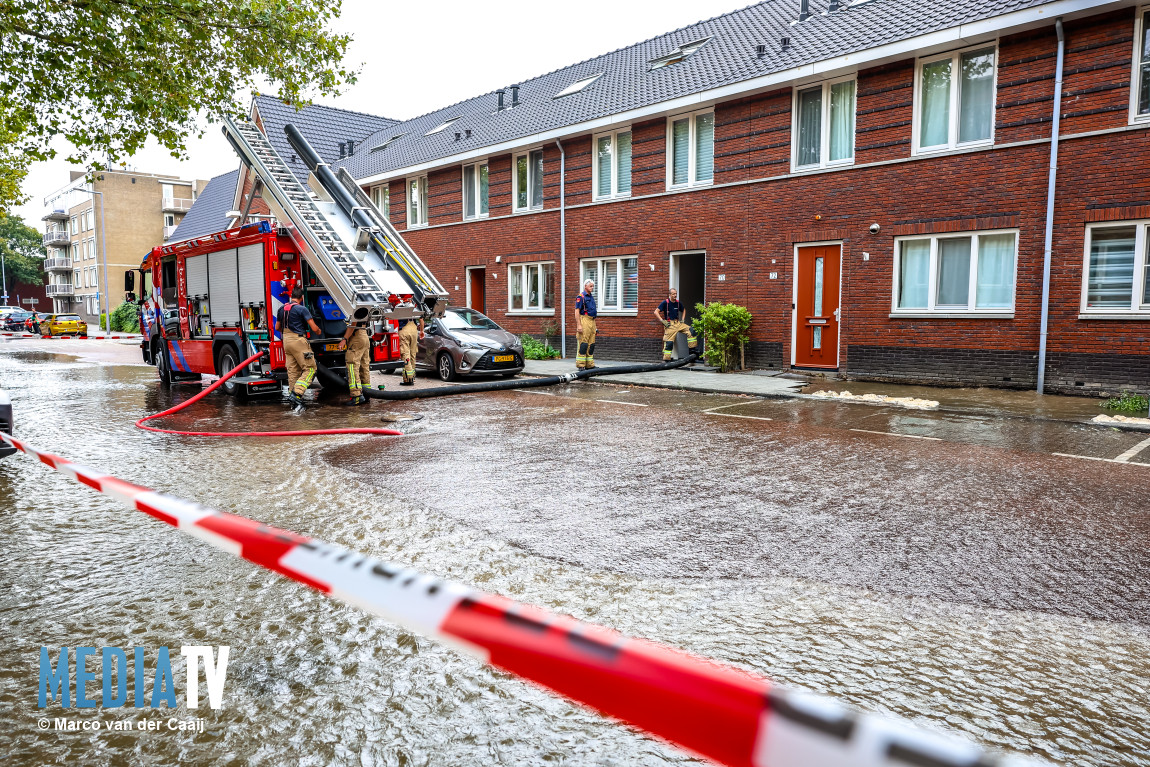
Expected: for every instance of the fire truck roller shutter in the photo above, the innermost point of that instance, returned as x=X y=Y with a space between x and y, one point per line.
x=197 y=276
x=251 y=259
x=223 y=284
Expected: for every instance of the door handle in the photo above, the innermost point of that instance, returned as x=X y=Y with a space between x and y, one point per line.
x=837 y=314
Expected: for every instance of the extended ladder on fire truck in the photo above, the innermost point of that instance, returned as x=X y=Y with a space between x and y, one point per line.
x=361 y=259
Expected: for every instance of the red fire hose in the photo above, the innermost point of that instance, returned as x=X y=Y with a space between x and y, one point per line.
x=217 y=384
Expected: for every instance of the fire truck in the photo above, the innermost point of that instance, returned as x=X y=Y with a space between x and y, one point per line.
x=207 y=304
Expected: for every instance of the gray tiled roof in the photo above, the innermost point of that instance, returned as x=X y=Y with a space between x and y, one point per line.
x=325 y=128
x=729 y=57
x=208 y=213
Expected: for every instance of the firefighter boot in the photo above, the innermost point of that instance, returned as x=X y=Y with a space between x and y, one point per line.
x=668 y=347
x=296 y=402
x=590 y=356
x=358 y=399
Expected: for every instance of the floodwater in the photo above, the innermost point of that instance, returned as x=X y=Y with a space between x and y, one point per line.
x=975 y=584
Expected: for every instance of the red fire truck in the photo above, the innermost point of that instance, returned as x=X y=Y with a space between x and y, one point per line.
x=207 y=304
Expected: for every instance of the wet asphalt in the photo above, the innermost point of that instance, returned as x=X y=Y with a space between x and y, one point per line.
x=950 y=568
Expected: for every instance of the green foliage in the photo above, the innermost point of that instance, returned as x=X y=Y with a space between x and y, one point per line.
x=107 y=74
x=537 y=350
x=125 y=319
x=1128 y=402
x=722 y=328
x=22 y=249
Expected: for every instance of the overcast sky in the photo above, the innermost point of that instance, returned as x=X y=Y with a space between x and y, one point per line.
x=418 y=57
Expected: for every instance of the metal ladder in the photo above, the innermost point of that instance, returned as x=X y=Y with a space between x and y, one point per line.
x=350 y=284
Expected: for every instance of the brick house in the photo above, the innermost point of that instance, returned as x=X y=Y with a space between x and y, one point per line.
x=869 y=178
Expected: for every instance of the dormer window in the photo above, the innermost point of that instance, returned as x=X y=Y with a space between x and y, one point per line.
x=681 y=53
x=577 y=86
x=442 y=126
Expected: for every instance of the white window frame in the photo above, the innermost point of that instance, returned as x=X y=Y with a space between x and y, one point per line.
x=932 y=310
x=824 y=126
x=1136 y=62
x=412 y=204
x=72 y=226
x=515 y=181
x=614 y=136
x=617 y=310
x=381 y=198
x=1137 y=309
x=952 y=143
x=527 y=310
x=691 y=139
x=463 y=183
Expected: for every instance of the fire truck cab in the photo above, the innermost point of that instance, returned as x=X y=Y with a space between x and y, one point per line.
x=207 y=304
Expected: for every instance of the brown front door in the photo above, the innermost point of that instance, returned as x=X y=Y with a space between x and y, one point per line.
x=817 y=308
x=478 y=282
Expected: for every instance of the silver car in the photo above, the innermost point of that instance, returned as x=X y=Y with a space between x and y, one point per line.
x=464 y=342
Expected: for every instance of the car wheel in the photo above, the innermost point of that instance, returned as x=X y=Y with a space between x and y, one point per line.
x=160 y=355
x=226 y=362
x=445 y=366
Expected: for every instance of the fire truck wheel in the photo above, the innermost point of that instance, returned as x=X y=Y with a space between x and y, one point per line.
x=160 y=355
x=226 y=362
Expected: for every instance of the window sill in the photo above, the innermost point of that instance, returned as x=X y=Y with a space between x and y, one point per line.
x=517 y=211
x=923 y=315
x=693 y=185
x=799 y=169
x=530 y=312
x=1130 y=315
x=475 y=218
x=618 y=313
x=936 y=150
x=415 y=226
x=609 y=197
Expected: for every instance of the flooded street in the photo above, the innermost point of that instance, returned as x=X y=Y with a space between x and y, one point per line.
x=950 y=569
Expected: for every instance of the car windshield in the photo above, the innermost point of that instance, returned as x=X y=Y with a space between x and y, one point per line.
x=467 y=319
x=67 y=318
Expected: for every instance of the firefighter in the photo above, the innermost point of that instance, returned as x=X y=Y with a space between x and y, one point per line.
x=585 y=314
x=295 y=319
x=670 y=312
x=358 y=355
x=410 y=334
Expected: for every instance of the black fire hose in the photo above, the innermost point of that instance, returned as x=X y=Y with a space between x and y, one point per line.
x=335 y=379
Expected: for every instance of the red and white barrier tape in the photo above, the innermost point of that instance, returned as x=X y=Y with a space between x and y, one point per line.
x=65 y=337
x=719 y=712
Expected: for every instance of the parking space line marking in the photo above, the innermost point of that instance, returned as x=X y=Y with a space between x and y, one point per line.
x=1127 y=462
x=619 y=402
x=736 y=415
x=735 y=404
x=894 y=434
x=1125 y=457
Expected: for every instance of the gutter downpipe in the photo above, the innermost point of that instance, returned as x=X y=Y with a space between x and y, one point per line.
x=562 y=251
x=1053 y=177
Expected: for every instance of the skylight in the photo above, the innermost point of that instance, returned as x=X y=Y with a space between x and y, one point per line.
x=577 y=86
x=681 y=53
x=385 y=144
x=442 y=126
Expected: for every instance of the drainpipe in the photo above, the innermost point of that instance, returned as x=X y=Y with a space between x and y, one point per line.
x=1053 y=177
x=562 y=252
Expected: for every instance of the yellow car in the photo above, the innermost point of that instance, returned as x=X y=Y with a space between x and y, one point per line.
x=63 y=325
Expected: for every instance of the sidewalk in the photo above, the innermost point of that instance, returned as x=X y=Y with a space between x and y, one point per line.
x=783 y=384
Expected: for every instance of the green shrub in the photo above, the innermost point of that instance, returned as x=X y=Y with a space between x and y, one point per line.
x=723 y=329
x=1128 y=402
x=125 y=319
x=537 y=350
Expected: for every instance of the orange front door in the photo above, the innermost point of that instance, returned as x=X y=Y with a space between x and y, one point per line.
x=817 y=309
x=478 y=286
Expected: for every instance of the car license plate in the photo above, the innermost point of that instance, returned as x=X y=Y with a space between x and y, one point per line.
x=504 y=358
x=331 y=348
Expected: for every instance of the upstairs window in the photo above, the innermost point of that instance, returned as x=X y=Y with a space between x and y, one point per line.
x=417 y=201
x=381 y=199
x=955 y=100
x=1117 y=274
x=691 y=149
x=612 y=161
x=528 y=192
x=1140 y=90
x=956 y=273
x=825 y=125
x=475 y=191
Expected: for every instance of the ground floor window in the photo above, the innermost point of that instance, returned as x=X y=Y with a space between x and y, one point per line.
x=1117 y=272
x=531 y=287
x=616 y=282
x=961 y=272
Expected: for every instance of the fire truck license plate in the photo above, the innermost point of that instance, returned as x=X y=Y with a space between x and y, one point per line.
x=331 y=347
x=504 y=358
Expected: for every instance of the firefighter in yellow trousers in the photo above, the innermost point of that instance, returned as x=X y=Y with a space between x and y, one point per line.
x=671 y=313
x=295 y=319
x=410 y=331
x=585 y=314
x=358 y=356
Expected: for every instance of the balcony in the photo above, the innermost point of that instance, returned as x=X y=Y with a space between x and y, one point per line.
x=57 y=289
x=58 y=264
x=57 y=237
x=55 y=215
x=176 y=204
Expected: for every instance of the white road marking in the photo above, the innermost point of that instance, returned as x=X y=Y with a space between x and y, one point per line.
x=1126 y=462
x=893 y=434
x=1125 y=457
x=619 y=402
x=736 y=415
x=734 y=404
